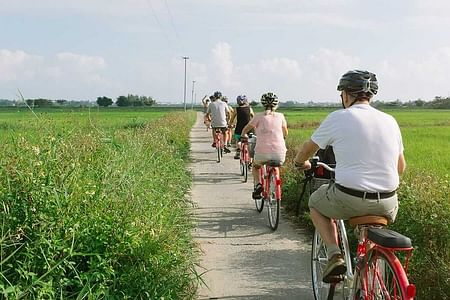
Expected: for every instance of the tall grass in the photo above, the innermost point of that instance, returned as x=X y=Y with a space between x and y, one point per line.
x=89 y=217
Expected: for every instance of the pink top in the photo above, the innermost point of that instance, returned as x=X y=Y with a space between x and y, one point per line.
x=269 y=132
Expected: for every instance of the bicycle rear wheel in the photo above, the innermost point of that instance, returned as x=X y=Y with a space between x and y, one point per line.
x=259 y=203
x=219 y=154
x=245 y=172
x=273 y=204
x=383 y=278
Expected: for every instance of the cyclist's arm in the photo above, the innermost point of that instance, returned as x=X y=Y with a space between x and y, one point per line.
x=252 y=114
x=285 y=131
x=247 y=128
x=401 y=166
x=305 y=152
x=204 y=98
x=232 y=117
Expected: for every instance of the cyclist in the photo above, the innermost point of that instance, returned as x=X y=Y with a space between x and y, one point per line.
x=230 y=112
x=368 y=147
x=205 y=103
x=217 y=113
x=271 y=130
x=243 y=113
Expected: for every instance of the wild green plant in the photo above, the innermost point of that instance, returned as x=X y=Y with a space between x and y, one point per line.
x=89 y=216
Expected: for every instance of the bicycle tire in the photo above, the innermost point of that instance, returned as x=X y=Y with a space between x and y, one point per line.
x=245 y=172
x=319 y=262
x=242 y=166
x=273 y=204
x=219 y=157
x=385 y=277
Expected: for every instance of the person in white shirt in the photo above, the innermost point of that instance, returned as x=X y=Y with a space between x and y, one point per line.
x=368 y=147
x=217 y=113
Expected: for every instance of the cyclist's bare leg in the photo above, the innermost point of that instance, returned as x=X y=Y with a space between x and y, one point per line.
x=255 y=173
x=327 y=231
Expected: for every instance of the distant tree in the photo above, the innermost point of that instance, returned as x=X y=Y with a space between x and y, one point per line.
x=104 y=101
x=254 y=103
x=419 y=103
x=122 y=101
x=147 y=101
x=40 y=102
x=61 y=102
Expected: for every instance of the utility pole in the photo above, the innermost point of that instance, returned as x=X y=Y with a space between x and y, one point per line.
x=193 y=86
x=185 y=59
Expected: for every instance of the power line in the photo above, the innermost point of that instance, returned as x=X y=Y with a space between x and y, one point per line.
x=171 y=20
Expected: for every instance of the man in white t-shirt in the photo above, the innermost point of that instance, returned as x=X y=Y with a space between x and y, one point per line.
x=368 y=147
x=217 y=113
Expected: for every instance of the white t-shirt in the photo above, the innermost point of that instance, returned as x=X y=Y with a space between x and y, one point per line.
x=218 y=110
x=366 y=144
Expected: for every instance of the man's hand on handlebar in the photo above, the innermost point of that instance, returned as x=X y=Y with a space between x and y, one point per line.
x=306 y=165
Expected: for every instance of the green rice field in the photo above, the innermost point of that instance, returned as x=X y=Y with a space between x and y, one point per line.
x=426 y=134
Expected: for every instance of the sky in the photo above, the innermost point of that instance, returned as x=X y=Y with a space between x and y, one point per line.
x=298 y=49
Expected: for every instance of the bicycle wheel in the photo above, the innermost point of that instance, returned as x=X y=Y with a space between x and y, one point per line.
x=319 y=262
x=242 y=166
x=383 y=278
x=273 y=204
x=245 y=172
x=259 y=204
x=219 y=154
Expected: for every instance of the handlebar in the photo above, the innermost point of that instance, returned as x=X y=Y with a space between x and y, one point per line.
x=315 y=162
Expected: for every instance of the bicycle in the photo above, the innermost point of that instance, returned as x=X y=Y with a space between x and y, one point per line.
x=269 y=178
x=244 y=157
x=375 y=272
x=218 y=141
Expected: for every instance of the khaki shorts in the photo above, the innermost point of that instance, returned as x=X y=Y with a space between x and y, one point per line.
x=335 y=204
x=262 y=158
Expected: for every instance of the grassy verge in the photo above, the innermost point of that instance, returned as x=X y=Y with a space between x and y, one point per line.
x=89 y=217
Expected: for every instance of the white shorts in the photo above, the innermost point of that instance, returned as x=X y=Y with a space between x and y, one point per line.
x=262 y=158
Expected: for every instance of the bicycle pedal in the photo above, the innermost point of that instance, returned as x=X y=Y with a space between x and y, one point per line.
x=333 y=279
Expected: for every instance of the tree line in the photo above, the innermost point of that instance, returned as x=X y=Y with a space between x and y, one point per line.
x=129 y=100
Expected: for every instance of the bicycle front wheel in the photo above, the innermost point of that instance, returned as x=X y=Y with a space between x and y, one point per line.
x=319 y=261
x=383 y=277
x=273 y=203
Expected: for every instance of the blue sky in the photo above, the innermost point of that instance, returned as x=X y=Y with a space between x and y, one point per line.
x=82 y=49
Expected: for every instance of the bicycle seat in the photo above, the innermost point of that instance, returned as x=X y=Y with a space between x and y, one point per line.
x=368 y=220
x=388 y=238
x=274 y=163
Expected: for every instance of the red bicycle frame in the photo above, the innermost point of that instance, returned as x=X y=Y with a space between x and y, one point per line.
x=366 y=246
x=265 y=172
x=244 y=155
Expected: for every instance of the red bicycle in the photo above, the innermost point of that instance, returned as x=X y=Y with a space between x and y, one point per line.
x=218 y=141
x=244 y=158
x=269 y=177
x=376 y=272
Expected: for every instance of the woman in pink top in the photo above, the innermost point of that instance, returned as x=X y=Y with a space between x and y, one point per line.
x=271 y=129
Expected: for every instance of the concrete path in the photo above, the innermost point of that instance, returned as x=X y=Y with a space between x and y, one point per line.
x=242 y=257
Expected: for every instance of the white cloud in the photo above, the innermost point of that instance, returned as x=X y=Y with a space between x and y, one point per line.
x=15 y=65
x=418 y=77
x=223 y=64
x=65 y=71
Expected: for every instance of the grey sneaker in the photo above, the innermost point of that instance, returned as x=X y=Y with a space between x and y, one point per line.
x=335 y=267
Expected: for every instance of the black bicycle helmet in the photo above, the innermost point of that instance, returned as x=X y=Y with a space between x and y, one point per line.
x=217 y=95
x=241 y=100
x=359 y=83
x=269 y=100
